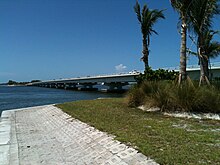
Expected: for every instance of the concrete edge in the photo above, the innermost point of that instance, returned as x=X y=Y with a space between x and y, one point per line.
x=5 y=112
x=8 y=140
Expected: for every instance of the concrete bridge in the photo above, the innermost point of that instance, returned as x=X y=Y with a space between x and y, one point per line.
x=194 y=71
x=114 y=82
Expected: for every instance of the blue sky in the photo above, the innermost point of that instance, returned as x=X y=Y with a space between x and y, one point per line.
x=49 y=39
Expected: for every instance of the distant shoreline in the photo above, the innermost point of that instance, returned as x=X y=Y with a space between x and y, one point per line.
x=5 y=85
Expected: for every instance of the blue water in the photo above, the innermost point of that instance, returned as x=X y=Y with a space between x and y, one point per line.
x=22 y=96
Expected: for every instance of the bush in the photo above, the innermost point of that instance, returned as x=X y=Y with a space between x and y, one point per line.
x=149 y=87
x=135 y=97
x=216 y=84
x=170 y=97
x=156 y=75
x=184 y=97
x=207 y=100
x=158 y=94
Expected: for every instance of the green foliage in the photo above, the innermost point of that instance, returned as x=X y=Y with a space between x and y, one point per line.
x=207 y=100
x=161 y=97
x=147 y=18
x=155 y=75
x=216 y=83
x=184 y=96
x=11 y=82
x=170 y=97
x=33 y=81
x=135 y=97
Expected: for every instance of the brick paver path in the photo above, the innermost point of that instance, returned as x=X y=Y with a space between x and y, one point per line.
x=46 y=135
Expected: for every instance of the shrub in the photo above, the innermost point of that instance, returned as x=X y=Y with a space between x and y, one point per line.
x=158 y=94
x=156 y=75
x=216 y=84
x=170 y=97
x=207 y=100
x=149 y=87
x=135 y=97
x=163 y=98
x=184 y=96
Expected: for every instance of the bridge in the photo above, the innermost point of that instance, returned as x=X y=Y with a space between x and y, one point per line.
x=194 y=70
x=114 y=82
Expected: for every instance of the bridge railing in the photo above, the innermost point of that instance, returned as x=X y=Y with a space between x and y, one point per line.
x=195 y=66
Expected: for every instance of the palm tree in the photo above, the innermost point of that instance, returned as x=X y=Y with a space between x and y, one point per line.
x=147 y=18
x=182 y=7
x=211 y=50
x=202 y=13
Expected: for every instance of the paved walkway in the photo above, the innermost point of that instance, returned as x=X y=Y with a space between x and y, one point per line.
x=46 y=135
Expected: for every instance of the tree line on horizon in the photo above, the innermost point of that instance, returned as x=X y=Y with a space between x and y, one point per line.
x=12 y=82
x=195 y=17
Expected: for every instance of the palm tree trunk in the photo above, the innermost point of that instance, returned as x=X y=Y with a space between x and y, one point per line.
x=204 y=70
x=206 y=67
x=145 y=53
x=182 y=73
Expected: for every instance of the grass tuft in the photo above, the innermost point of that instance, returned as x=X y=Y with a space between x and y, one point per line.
x=135 y=97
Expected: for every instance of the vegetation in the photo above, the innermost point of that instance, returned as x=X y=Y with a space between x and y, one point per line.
x=212 y=49
x=147 y=18
x=202 y=13
x=182 y=7
x=167 y=140
x=11 y=82
x=34 y=81
x=197 y=15
x=156 y=75
x=170 y=97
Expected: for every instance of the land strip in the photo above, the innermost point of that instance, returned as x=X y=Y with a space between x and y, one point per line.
x=167 y=140
x=47 y=135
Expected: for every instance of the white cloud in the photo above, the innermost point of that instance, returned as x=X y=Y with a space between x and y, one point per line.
x=120 y=68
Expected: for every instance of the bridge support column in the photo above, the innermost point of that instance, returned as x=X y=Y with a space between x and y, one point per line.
x=52 y=85
x=71 y=86
x=87 y=87
x=59 y=85
x=116 y=87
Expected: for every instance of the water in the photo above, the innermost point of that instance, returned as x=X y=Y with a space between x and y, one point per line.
x=21 y=96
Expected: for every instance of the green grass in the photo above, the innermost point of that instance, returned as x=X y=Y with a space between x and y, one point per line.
x=167 y=140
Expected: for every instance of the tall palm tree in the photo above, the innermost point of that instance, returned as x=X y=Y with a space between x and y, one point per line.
x=202 y=13
x=183 y=8
x=147 y=18
x=211 y=49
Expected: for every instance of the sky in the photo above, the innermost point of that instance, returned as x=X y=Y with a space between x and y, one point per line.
x=52 y=39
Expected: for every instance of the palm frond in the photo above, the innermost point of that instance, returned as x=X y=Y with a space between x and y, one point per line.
x=138 y=11
x=202 y=13
x=191 y=52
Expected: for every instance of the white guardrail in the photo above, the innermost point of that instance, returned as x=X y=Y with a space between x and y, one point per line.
x=189 y=67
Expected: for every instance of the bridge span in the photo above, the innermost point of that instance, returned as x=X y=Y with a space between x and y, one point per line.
x=114 y=82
